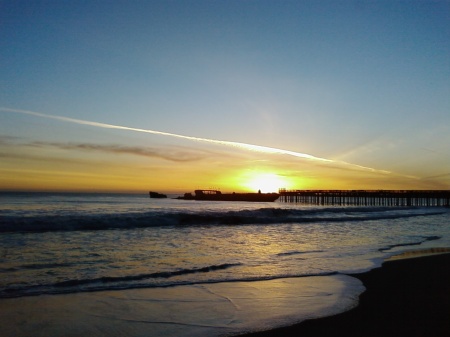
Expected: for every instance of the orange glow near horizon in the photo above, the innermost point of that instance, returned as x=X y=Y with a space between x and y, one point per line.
x=55 y=168
x=266 y=182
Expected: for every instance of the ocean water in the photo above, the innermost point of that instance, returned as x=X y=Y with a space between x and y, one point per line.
x=82 y=243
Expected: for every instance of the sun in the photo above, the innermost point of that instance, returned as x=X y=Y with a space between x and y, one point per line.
x=265 y=182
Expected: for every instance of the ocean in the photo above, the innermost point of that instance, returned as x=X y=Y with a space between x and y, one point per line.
x=59 y=244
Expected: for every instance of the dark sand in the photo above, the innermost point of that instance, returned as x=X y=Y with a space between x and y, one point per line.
x=409 y=297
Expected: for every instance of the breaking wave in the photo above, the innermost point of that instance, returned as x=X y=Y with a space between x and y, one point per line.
x=76 y=222
x=169 y=278
x=416 y=243
x=137 y=281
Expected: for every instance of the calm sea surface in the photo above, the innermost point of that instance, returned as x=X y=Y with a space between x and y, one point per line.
x=72 y=243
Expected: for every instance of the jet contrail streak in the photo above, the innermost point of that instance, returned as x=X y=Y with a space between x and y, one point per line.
x=251 y=147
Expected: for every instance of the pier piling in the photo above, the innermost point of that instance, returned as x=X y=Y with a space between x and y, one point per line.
x=398 y=198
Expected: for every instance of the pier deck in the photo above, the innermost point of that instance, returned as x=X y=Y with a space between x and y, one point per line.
x=367 y=197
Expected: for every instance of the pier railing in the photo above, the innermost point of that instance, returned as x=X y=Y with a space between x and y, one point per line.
x=367 y=197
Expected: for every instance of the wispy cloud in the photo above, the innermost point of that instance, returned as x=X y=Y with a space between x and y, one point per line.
x=244 y=146
x=438 y=176
x=174 y=154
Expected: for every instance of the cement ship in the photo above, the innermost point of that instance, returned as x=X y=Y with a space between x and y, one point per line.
x=215 y=195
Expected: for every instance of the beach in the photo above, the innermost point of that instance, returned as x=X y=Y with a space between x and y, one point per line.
x=405 y=297
x=208 y=310
x=126 y=265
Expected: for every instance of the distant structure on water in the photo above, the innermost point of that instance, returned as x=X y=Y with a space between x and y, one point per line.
x=156 y=195
x=215 y=195
x=367 y=197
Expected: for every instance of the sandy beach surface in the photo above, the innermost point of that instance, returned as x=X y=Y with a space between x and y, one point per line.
x=405 y=297
x=202 y=310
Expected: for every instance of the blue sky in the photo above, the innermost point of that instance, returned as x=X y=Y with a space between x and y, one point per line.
x=363 y=82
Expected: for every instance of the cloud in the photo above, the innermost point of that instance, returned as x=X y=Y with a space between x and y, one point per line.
x=438 y=176
x=243 y=146
x=173 y=153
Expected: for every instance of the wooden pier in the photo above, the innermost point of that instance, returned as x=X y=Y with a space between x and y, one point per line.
x=367 y=197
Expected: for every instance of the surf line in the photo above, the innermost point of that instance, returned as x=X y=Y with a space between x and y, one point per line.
x=245 y=146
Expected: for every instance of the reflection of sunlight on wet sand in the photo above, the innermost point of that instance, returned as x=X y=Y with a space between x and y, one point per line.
x=200 y=310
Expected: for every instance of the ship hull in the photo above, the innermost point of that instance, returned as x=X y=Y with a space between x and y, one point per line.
x=249 y=197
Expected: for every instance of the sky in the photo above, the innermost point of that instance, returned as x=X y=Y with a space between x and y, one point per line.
x=172 y=96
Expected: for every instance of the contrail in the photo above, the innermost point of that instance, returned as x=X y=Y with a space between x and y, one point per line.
x=250 y=147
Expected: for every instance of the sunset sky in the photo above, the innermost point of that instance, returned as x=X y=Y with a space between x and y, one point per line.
x=239 y=95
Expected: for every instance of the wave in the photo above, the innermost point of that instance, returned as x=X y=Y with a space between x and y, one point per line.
x=76 y=222
x=165 y=275
x=106 y=282
x=177 y=277
x=37 y=266
x=415 y=243
x=295 y=252
x=130 y=282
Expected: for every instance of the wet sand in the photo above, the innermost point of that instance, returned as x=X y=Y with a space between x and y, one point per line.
x=405 y=297
x=409 y=297
x=202 y=310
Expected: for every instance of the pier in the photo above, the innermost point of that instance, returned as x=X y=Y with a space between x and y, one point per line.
x=386 y=198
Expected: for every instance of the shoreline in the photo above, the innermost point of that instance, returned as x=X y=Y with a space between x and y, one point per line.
x=203 y=310
x=404 y=297
x=408 y=296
